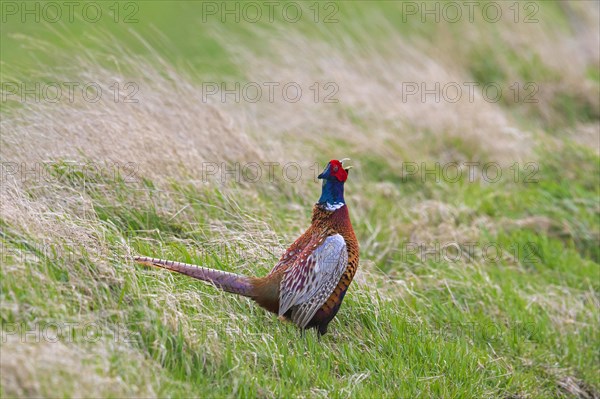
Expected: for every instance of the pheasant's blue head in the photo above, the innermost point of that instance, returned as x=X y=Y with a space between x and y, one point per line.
x=334 y=176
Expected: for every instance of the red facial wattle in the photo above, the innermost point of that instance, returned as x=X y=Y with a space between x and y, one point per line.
x=337 y=170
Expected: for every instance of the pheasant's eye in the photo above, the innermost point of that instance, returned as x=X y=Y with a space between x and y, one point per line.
x=335 y=169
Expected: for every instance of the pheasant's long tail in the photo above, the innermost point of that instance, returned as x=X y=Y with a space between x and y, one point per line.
x=229 y=282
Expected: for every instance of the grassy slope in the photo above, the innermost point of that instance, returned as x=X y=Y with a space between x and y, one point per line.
x=523 y=326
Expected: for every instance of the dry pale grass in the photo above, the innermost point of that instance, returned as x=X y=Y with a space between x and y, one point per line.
x=168 y=133
x=566 y=308
x=371 y=80
x=58 y=369
x=371 y=84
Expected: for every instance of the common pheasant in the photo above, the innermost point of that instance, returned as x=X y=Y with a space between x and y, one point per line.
x=308 y=284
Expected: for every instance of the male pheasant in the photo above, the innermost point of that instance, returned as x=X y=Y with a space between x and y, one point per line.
x=308 y=284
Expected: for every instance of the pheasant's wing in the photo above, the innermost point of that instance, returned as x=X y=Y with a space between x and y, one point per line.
x=311 y=280
x=293 y=252
x=287 y=258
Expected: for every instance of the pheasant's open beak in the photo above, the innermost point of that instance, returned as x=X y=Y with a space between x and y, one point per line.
x=346 y=168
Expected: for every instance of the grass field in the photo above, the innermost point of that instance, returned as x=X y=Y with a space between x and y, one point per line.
x=478 y=219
